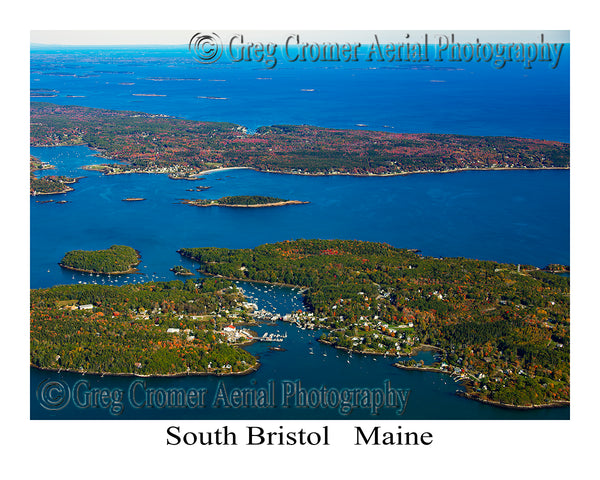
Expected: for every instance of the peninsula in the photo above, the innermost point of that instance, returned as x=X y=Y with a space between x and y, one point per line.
x=154 y=143
x=150 y=329
x=502 y=329
x=48 y=185
x=243 y=201
x=117 y=259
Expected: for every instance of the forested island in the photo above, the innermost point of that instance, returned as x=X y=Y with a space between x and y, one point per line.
x=47 y=185
x=117 y=259
x=242 y=201
x=154 y=143
x=155 y=328
x=502 y=329
x=181 y=270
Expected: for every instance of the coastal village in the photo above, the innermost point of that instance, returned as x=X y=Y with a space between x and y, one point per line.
x=499 y=328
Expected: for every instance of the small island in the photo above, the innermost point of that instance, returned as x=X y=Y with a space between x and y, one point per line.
x=181 y=270
x=243 y=201
x=117 y=259
x=555 y=268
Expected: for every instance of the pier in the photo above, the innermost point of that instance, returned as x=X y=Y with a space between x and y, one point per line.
x=271 y=337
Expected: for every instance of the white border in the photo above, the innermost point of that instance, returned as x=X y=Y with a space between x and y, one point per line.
x=496 y=449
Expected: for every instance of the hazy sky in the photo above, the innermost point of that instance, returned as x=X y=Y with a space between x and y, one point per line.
x=181 y=37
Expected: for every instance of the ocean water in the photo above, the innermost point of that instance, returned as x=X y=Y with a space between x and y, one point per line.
x=463 y=98
x=507 y=216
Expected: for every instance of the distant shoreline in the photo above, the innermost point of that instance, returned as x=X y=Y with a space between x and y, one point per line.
x=192 y=176
x=221 y=170
x=99 y=153
x=415 y=172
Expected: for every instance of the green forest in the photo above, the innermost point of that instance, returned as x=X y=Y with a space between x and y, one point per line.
x=116 y=259
x=125 y=329
x=503 y=328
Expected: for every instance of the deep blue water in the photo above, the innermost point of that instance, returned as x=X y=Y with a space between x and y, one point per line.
x=463 y=98
x=508 y=216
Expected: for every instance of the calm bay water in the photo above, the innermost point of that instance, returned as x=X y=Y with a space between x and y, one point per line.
x=507 y=216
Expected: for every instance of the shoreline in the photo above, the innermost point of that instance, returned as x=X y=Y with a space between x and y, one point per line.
x=67 y=190
x=414 y=350
x=510 y=406
x=472 y=396
x=131 y=270
x=409 y=172
x=342 y=174
x=211 y=170
x=348 y=349
x=248 y=371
